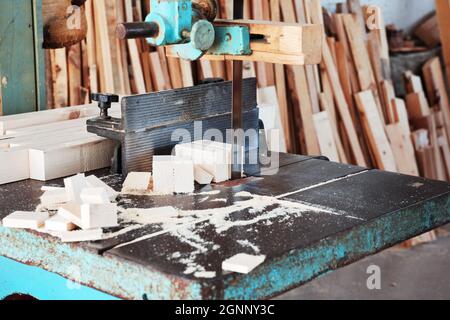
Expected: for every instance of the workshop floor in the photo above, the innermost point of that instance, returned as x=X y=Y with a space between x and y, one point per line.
x=421 y=272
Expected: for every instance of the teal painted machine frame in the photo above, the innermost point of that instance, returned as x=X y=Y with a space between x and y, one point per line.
x=22 y=58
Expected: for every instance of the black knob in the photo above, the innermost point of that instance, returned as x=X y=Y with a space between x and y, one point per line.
x=104 y=102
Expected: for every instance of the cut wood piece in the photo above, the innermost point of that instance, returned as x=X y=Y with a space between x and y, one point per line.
x=417 y=105
x=173 y=175
x=429 y=123
x=58 y=223
x=160 y=79
x=270 y=115
x=48 y=116
x=354 y=6
x=343 y=108
x=426 y=160
x=82 y=155
x=95 y=182
x=284 y=39
x=81 y=235
x=436 y=89
x=14 y=165
x=242 y=263
x=137 y=181
x=94 y=196
x=413 y=83
x=403 y=150
x=359 y=53
x=214 y=157
x=325 y=134
x=375 y=23
x=374 y=127
x=443 y=12
x=101 y=22
x=202 y=176
x=175 y=72
x=50 y=188
x=53 y=198
x=186 y=73
x=25 y=220
x=387 y=96
x=98 y=216
x=74 y=186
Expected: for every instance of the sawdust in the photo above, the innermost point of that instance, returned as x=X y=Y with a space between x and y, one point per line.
x=184 y=224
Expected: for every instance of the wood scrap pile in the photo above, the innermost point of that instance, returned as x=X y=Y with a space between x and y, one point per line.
x=77 y=212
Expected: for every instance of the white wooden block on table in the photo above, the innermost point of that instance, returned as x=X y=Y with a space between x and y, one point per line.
x=94 y=196
x=95 y=182
x=74 y=185
x=242 y=263
x=99 y=216
x=50 y=188
x=54 y=197
x=163 y=174
x=137 y=181
x=183 y=175
x=71 y=212
x=25 y=220
x=173 y=174
x=81 y=235
x=14 y=165
x=202 y=176
x=58 y=223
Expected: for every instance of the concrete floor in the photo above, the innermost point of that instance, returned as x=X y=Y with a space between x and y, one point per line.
x=422 y=272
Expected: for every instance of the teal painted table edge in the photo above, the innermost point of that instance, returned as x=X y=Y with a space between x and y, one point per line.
x=125 y=279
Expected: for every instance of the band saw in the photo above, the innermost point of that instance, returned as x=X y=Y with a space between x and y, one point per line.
x=189 y=30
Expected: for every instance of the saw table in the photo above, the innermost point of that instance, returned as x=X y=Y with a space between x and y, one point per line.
x=310 y=217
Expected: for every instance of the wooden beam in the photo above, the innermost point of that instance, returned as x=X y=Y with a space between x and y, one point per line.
x=325 y=134
x=443 y=12
x=343 y=107
x=374 y=126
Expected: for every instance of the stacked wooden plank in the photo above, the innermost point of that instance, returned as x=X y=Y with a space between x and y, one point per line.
x=51 y=144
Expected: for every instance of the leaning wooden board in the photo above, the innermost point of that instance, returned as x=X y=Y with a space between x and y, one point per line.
x=309 y=218
x=51 y=144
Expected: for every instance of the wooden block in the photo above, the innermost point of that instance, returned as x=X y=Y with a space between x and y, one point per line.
x=71 y=212
x=202 y=176
x=81 y=235
x=58 y=223
x=74 y=186
x=374 y=127
x=94 y=196
x=137 y=181
x=95 y=182
x=173 y=175
x=184 y=176
x=242 y=263
x=62 y=160
x=25 y=220
x=14 y=165
x=52 y=198
x=98 y=216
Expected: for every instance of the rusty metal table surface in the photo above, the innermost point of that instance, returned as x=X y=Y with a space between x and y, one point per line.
x=310 y=217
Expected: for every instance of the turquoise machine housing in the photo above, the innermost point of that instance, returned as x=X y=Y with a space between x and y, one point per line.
x=192 y=34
